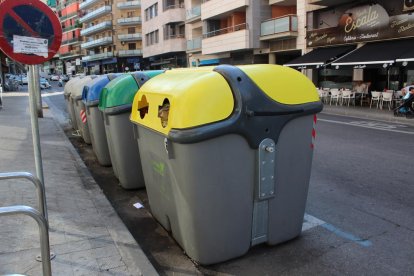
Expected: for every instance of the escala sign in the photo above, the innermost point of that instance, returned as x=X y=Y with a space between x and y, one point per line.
x=361 y=24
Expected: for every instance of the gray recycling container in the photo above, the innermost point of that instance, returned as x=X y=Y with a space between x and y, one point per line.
x=226 y=155
x=90 y=97
x=115 y=103
x=78 y=106
x=67 y=90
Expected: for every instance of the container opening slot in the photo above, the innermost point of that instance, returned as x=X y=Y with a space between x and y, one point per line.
x=143 y=107
x=163 y=112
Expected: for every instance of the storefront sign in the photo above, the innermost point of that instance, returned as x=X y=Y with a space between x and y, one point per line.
x=132 y=60
x=362 y=24
x=109 y=61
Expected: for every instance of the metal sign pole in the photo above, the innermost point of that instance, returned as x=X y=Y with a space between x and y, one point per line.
x=35 y=126
x=38 y=92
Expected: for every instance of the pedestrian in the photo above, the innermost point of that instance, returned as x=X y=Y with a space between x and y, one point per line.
x=406 y=89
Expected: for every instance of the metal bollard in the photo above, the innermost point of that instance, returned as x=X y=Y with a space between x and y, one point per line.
x=41 y=194
x=43 y=231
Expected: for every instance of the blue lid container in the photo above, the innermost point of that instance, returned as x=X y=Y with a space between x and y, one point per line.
x=91 y=92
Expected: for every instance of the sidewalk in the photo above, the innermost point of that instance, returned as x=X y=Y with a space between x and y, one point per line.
x=85 y=233
x=366 y=113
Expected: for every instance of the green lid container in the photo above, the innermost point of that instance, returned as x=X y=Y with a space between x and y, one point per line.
x=117 y=96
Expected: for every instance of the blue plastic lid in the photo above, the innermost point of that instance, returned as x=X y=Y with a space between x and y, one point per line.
x=92 y=91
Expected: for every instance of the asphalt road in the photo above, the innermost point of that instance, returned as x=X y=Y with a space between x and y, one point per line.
x=359 y=215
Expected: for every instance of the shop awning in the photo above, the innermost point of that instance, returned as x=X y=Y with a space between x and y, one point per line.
x=320 y=56
x=207 y=62
x=376 y=53
x=406 y=57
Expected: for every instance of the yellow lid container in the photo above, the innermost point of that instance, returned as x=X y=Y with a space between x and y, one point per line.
x=186 y=98
x=190 y=97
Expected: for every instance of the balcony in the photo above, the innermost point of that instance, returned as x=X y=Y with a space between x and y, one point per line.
x=71 y=28
x=70 y=55
x=194 y=45
x=98 y=56
x=174 y=13
x=62 y=5
x=128 y=53
x=97 y=42
x=129 y=5
x=213 y=8
x=129 y=21
x=223 y=31
x=88 y=3
x=71 y=41
x=68 y=16
x=97 y=28
x=130 y=37
x=174 y=6
x=173 y=36
x=281 y=27
x=95 y=14
x=193 y=15
x=167 y=46
x=227 y=39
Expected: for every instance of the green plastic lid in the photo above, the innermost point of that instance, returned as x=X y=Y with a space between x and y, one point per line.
x=121 y=90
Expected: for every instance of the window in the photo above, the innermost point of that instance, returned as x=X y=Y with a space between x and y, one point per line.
x=151 y=38
x=132 y=46
x=131 y=30
x=174 y=30
x=151 y=12
x=130 y=14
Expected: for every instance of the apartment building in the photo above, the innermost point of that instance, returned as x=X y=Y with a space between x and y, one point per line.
x=164 y=33
x=112 y=35
x=244 y=31
x=70 y=49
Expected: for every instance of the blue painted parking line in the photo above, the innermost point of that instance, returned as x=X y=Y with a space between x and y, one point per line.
x=311 y=222
x=345 y=235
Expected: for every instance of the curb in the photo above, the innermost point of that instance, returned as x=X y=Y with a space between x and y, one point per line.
x=132 y=254
x=386 y=117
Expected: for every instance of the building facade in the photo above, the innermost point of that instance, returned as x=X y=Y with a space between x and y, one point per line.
x=112 y=35
x=70 y=50
x=354 y=44
x=164 y=33
x=244 y=31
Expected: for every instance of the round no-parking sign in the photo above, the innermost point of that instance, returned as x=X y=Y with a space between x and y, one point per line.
x=30 y=32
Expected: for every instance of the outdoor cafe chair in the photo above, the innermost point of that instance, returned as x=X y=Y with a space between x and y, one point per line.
x=363 y=96
x=323 y=95
x=335 y=96
x=387 y=97
x=348 y=96
x=375 y=97
x=397 y=97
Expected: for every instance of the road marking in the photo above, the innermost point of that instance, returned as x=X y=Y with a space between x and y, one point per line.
x=311 y=222
x=366 y=124
x=49 y=94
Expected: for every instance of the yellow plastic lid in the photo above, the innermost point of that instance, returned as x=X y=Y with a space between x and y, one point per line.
x=182 y=98
x=283 y=84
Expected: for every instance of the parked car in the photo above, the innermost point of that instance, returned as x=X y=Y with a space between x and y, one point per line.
x=54 y=77
x=64 y=77
x=24 y=80
x=11 y=85
x=44 y=84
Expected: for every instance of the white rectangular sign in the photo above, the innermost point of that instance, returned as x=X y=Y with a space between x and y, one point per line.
x=30 y=45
